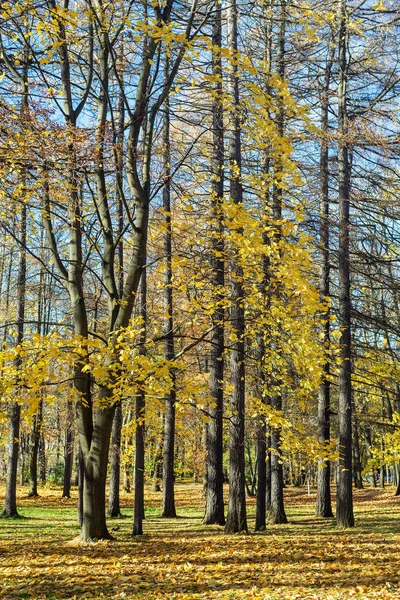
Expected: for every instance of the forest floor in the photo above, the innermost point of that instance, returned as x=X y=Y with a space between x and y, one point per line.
x=181 y=558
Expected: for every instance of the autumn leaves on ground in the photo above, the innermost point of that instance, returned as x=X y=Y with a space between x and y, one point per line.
x=181 y=558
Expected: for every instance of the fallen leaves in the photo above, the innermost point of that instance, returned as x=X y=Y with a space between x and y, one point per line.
x=183 y=559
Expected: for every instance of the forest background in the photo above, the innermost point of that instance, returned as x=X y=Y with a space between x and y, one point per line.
x=200 y=256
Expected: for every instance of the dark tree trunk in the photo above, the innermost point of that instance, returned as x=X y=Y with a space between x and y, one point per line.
x=95 y=473
x=168 y=487
x=344 y=494
x=35 y=439
x=214 y=513
x=324 y=503
x=114 y=509
x=158 y=458
x=397 y=491
x=42 y=458
x=68 y=452
x=10 y=501
x=261 y=477
x=358 y=483
x=168 y=476
x=236 y=520
x=268 y=474
x=138 y=512
x=277 y=512
x=81 y=477
x=263 y=444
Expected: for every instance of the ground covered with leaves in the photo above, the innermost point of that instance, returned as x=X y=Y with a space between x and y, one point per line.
x=181 y=558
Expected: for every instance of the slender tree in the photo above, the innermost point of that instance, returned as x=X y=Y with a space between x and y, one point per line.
x=214 y=513
x=324 y=505
x=236 y=520
x=277 y=511
x=344 y=494
x=168 y=476
x=10 y=501
x=140 y=406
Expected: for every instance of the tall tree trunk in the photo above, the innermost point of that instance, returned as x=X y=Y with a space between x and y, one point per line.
x=38 y=418
x=10 y=501
x=277 y=511
x=214 y=513
x=344 y=493
x=236 y=520
x=138 y=511
x=324 y=503
x=114 y=509
x=263 y=503
x=168 y=484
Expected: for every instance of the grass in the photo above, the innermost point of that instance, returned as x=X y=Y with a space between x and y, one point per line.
x=181 y=558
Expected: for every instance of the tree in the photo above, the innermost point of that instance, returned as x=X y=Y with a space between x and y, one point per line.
x=236 y=519
x=344 y=495
x=214 y=513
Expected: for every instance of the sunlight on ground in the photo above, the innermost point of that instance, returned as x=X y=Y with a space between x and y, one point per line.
x=181 y=558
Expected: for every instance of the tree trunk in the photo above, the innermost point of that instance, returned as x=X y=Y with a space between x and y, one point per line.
x=261 y=477
x=68 y=452
x=94 y=482
x=268 y=473
x=42 y=458
x=344 y=493
x=214 y=513
x=81 y=477
x=138 y=512
x=236 y=520
x=168 y=476
x=114 y=509
x=10 y=501
x=35 y=438
x=277 y=512
x=358 y=483
x=324 y=503
x=397 y=491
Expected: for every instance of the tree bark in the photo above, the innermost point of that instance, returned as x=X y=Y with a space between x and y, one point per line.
x=277 y=511
x=68 y=451
x=261 y=503
x=114 y=509
x=344 y=492
x=236 y=520
x=168 y=483
x=324 y=503
x=35 y=440
x=10 y=502
x=214 y=513
x=138 y=511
